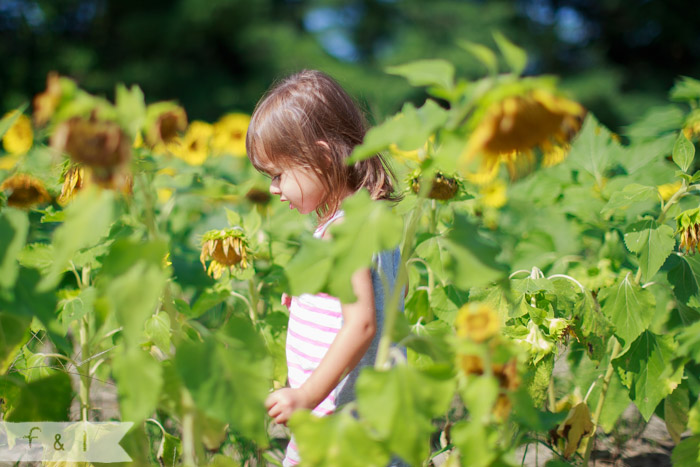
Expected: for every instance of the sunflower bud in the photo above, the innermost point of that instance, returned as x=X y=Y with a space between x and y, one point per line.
x=688 y=223
x=477 y=321
x=229 y=134
x=226 y=249
x=24 y=191
x=100 y=145
x=442 y=188
x=19 y=137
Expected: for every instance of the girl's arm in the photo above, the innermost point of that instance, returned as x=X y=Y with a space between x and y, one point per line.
x=348 y=347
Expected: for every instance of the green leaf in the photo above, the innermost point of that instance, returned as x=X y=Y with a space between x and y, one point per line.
x=648 y=371
x=139 y=381
x=631 y=194
x=476 y=443
x=516 y=58
x=228 y=375
x=14 y=226
x=683 y=152
x=685 y=279
x=170 y=450
x=628 y=307
x=157 y=330
x=15 y=332
x=400 y=404
x=685 y=89
x=655 y=122
x=75 y=308
x=676 y=407
x=591 y=327
x=88 y=218
x=637 y=157
x=593 y=149
x=409 y=129
x=131 y=108
x=687 y=452
x=432 y=72
x=44 y=400
x=471 y=258
x=338 y=439
x=482 y=53
x=207 y=300
x=307 y=271
x=132 y=281
x=652 y=242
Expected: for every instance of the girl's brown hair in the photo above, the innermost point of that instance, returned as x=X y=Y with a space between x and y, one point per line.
x=294 y=119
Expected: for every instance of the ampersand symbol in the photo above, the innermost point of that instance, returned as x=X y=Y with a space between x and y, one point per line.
x=57 y=441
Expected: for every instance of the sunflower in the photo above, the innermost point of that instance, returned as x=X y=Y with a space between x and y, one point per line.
x=73 y=181
x=229 y=134
x=19 y=137
x=167 y=126
x=194 y=147
x=667 y=190
x=226 y=248
x=8 y=162
x=45 y=104
x=518 y=124
x=493 y=195
x=24 y=191
x=442 y=187
x=477 y=321
x=99 y=145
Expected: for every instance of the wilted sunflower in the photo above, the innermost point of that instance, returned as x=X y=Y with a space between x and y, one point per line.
x=99 y=145
x=45 y=104
x=18 y=139
x=226 y=248
x=442 y=188
x=477 y=321
x=518 y=124
x=229 y=134
x=195 y=146
x=167 y=126
x=688 y=223
x=73 y=181
x=24 y=191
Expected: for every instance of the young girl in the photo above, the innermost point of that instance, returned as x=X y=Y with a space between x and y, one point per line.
x=301 y=134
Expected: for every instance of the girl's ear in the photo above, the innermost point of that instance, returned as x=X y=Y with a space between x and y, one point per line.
x=326 y=150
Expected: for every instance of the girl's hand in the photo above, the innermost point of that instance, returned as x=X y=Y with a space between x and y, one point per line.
x=283 y=402
x=286 y=300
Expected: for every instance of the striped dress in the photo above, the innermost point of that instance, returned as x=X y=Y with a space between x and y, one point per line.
x=314 y=321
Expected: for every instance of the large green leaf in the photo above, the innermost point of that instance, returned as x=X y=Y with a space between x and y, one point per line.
x=628 y=307
x=88 y=218
x=409 y=129
x=400 y=403
x=14 y=226
x=139 y=381
x=637 y=157
x=429 y=72
x=516 y=58
x=687 y=452
x=657 y=121
x=648 y=372
x=44 y=400
x=685 y=279
x=685 y=89
x=132 y=280
x=683 y=152
x=652 y=242
x=476 y=443
x=631 y=194
x=337 y=440
x=14 y=332
x=228 y=375
x=676 y=407
x=593 y=149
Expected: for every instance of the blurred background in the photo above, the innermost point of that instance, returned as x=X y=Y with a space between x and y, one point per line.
x=618 y=57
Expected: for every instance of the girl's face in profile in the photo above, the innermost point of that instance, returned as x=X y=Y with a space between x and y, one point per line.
x=298 y=185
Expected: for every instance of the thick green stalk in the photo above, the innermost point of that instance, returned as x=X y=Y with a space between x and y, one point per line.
x=391 y=310
x=189 y=456
x=84 y=368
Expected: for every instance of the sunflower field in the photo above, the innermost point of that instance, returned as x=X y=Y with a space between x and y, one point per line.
x=141 y=252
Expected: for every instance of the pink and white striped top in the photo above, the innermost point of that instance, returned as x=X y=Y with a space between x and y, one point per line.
x=314 y=321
